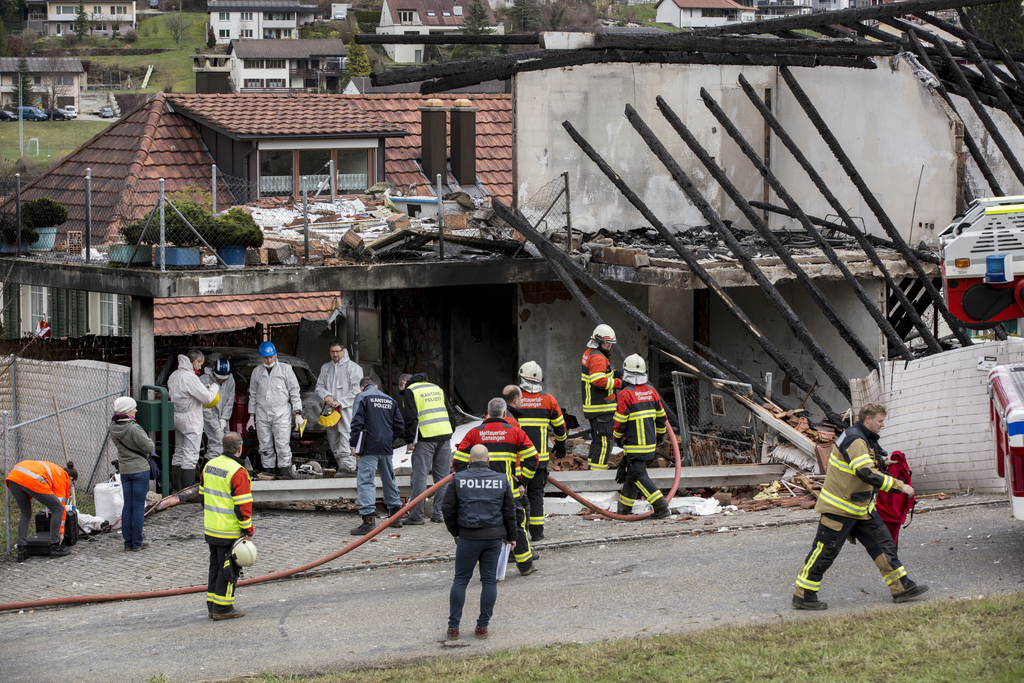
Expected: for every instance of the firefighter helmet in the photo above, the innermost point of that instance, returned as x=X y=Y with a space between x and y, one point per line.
x=267 y=349
x=214 y=402
x=603 y=333
x=531 y=371
x=635 y=364
x=328 y=417
x=244 y=552
x=222 y=368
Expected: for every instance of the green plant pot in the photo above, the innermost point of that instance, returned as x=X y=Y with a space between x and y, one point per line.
x=45 y=241
x=120 y=253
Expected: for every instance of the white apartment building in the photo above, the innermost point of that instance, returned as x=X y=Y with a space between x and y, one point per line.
x=55 y=18
x=311 y=65
x=258 y=19
x=422 y=17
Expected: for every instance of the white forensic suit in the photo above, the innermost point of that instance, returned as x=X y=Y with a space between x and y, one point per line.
x=212 y=417
x=340 y=381
x=273 y=401
x=189 y=395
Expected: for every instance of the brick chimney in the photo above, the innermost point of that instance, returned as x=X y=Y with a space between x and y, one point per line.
x=464 y=142
x=434 y=140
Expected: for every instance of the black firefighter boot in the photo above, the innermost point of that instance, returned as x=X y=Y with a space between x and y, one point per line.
x=366 y=527
x=624 y=509
x=22 y=552
x=661 y=510
x=397 y=524
x=175 y=479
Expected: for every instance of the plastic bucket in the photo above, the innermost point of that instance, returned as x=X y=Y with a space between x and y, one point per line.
x=45 y=241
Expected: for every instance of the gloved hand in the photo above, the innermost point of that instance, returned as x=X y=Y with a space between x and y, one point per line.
x=620 y=472
x=298 y=421
x=617 y=374
x=251 y=423
x=223 y=425
x=559 y=449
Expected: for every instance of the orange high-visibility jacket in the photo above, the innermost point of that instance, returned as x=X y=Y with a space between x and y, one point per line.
x=43 y=477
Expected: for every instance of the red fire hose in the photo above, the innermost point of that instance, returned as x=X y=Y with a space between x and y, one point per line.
x=82 y=599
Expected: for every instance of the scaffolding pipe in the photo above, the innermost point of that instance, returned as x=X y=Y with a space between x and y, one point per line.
x=694 y=264
x=844 y=161
x=826 y=248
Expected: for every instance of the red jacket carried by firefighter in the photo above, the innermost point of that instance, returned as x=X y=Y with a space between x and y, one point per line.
x=598 y=383
x=639 y=421
x=511 y=451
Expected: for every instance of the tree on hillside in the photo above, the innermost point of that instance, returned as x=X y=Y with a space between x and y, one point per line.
x=358 y=63
x=211 y=39
x=1000 y=21
x=173 y=25
x=58 y=83
x=525 y=16
x=3 y=40
x=81 y=25
x=22 y=95
x=478 y=23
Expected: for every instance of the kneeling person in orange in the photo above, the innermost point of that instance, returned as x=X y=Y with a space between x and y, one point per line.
x=227 y=517
x=50 y=484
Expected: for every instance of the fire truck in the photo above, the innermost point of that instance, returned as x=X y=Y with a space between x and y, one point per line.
x=1006 y=402
x=983 y=262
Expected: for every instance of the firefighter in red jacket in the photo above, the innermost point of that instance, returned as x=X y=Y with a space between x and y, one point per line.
x=599 y=384
x=640 y=427
x=540 y=417
x=512 y=455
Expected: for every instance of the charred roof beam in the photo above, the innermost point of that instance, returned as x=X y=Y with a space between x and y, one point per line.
x=449 y=39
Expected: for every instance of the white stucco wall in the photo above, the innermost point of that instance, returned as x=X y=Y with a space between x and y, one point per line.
x=1004 y=176
x=888 y=123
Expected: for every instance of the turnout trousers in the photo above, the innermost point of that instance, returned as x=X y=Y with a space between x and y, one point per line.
x=522 y=552
x=535 y=498
x=220 y=589
x=638 y=483
x=600 y=441
x=833 y=531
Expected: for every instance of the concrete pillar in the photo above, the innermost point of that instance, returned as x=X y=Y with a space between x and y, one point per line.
x=143 y=345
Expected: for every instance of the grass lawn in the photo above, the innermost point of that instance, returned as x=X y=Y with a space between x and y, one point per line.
x=641 y=14
x=942 y=640
x=56 y=138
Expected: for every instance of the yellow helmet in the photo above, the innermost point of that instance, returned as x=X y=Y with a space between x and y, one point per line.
x=214 y=402
x=328 y=417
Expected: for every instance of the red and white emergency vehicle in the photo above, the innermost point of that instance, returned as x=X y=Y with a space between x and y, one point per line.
x=1006 y=401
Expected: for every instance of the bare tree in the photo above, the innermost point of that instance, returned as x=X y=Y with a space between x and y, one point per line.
x=172 y=22
x=58 y=82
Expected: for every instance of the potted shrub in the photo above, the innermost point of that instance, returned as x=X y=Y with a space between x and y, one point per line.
x=185 y=249
x=9 y=234
x=42 y=216
x=236 y=231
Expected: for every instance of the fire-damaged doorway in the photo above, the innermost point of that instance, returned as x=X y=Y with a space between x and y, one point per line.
x=463 y=338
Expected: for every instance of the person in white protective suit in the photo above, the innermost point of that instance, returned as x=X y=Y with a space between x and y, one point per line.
x=338 y=385
x=189 y=396
x=275 y=408
x=215 y=419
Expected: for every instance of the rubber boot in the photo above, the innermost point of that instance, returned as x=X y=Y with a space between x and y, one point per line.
x=661 y=510
x=366 y=527
x=175 y=479
x=623 y=509
x=220 y=614
x=56 y=550
x=397 y=524
x=22 y=553
x=285 y=472
x=209 y=608
x=809 y=601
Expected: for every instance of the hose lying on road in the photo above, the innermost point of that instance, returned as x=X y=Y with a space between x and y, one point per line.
x=82 y=599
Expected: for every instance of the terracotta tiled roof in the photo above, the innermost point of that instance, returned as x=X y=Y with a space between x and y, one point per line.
x=127 y=161
x=190 y=315
x=493 y=138
x=438 y=7
x=287 y=49
x=280 y=115
x=711 y=4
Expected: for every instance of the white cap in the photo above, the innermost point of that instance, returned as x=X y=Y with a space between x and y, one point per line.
x=124 y=404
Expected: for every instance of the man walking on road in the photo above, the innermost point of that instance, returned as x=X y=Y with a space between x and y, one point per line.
x=274 y=408
x=847 y=511
x=479 y=512
x=189 y=396
x=540 y=417
x=376 y=424
x=337 y=385
x=428 y=431
x=215 y=419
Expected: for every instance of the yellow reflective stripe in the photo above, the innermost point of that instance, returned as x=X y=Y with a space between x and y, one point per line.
x=887 y=482
x=639 y=448
x=559 y=421
x=219 y=510
x=862 y=461
x=617 y=434
x=221 y=533
x=214 y=492
x=535 y=521
x=844 y=504
x=461 y=456
x=660 y=430
x=222 y=601
x=242 y=499
x=801 y=580
x=626 y=501
x=895 y=575
x=649 y=495
x=620 y=417
x=833 y=461
x=641 y=414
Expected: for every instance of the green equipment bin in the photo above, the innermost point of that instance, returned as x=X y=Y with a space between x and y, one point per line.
x=158 y=416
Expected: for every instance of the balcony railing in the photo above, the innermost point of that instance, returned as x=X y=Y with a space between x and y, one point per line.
x=313 y=73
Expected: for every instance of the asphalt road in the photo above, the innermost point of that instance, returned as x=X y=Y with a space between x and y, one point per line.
x=588 y=593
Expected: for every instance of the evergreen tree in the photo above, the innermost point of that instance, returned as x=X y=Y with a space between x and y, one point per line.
x=1000 y=21
x=478 y=23
x=22 y=95
x=3 y=40
x=526 y=14
x=358 y=63
x=211 y=39
x=81 y=26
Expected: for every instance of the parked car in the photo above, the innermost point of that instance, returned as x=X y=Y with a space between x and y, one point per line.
x=6 y=115
x=71 y=111
x=31 y=114
x=313 y=442
x=154 y=4
x=106 y=113
x=59 y=115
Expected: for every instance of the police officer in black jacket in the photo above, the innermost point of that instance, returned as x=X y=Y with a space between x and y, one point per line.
x=479 y=512
x=376 y=423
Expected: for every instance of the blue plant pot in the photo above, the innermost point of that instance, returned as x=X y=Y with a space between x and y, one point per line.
x=9 y=248
x=45 y=241
x=178 y=257
x=232 y=255
x=120 y=253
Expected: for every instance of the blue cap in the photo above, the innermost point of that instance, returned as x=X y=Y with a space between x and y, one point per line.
x=222 y=368
x=267 y=349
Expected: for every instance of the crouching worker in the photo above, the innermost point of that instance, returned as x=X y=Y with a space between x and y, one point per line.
x=49 y=484
x=639 y=424
x=480 y=513
x=847 y=511
x=227 y=517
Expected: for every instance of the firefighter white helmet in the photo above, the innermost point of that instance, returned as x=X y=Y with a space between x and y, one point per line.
x=603 y=333
x=635 y=364
x=531 y=371
x=244 y=552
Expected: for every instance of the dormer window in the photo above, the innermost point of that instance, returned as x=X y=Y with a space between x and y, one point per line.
x=431 y=13
x=446 y=14
x=406 y=15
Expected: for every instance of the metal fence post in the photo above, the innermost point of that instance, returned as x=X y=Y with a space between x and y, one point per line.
x=440 y=220
x=88 y=214
x=7 y=492
x=14 y=405
x=334 y=182
x=163 y=229
x=17 y=210
x=214 y=186
x=568 y=212
x=305 y=221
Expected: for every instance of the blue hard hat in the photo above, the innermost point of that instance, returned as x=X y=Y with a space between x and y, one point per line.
x=222 y=368
x=267 y=349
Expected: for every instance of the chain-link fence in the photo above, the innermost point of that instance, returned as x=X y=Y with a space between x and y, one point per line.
x=722 y=431
x=59 y=412
x=548 y=210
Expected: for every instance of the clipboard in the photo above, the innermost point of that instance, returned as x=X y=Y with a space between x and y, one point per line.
x=502 y=561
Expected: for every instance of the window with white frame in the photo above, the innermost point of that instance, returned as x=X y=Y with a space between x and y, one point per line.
x=223 y=16
x=245 y=33
x=405 y=15
x=119 y=9
x=253 y=83
x=252 y=63
x=275 y=83
x=286 y=33
x=67 y=9
x=97 y=9
x=275 y=64
x=246 y=16
x=224 y=33
x=100 y=27
x=37 y=306
x=108 y=314
x=64 y=79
